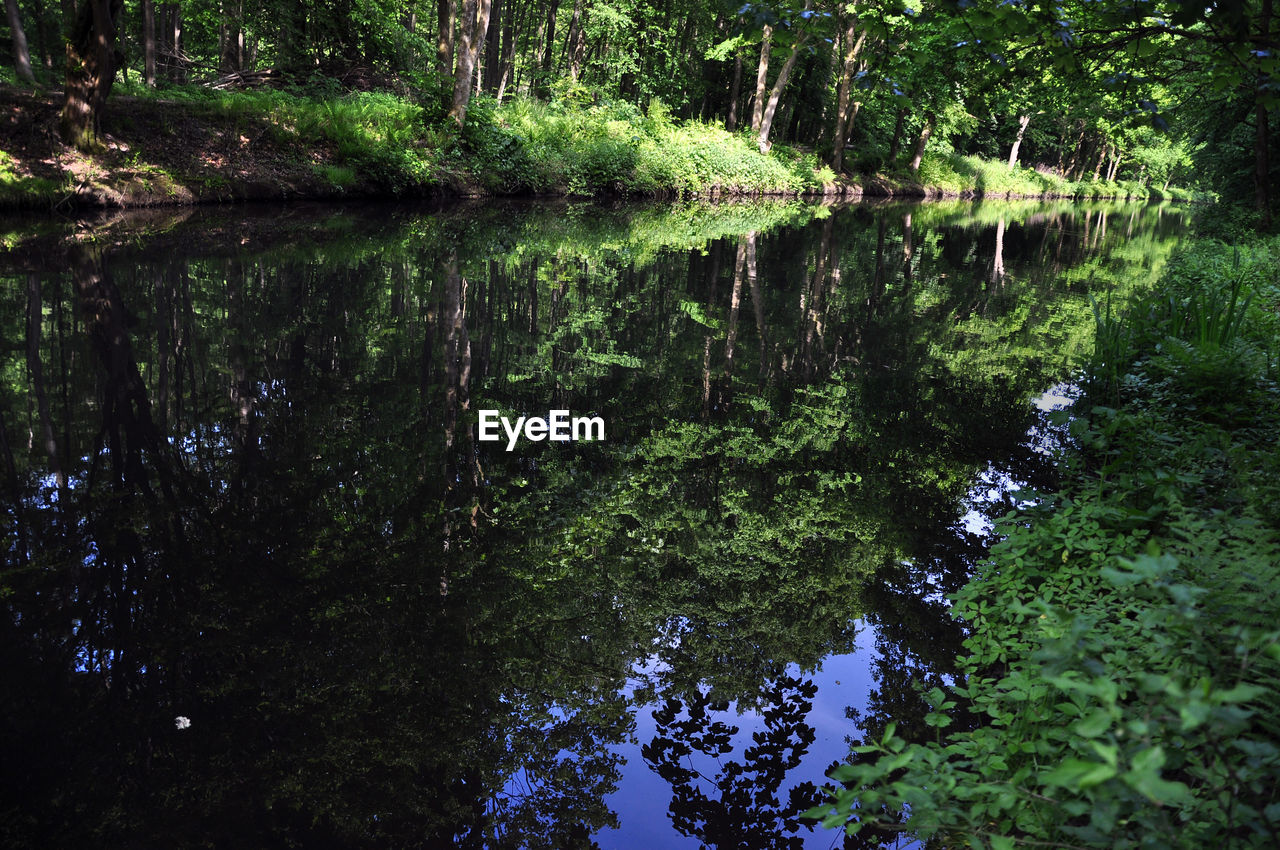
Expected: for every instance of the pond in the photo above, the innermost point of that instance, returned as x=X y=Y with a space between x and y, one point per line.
x=268 y=583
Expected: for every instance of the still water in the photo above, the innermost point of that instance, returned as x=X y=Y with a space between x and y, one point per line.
x=263 y=586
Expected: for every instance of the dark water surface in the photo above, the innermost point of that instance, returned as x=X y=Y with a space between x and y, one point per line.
x=243 y=493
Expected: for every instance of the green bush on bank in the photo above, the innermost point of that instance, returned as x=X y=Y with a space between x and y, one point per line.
x=960 y=174
x=1124 y=652
x=613 y=147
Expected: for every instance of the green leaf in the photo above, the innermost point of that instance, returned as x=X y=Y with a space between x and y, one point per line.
x=1194 y=714
x=1094 y=725
x=1078 y=773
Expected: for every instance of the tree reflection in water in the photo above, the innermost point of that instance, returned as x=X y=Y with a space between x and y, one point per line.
x=241 y=485
x=743 y=809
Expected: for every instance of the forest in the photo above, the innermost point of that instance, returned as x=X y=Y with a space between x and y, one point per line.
x=974 y=97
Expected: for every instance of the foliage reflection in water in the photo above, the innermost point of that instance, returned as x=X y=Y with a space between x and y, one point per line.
x=242 y=486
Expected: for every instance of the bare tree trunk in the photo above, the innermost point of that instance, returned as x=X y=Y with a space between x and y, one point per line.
x=1075 y=152
x=735 y=90
x=775 y=95
x=1102 y=157
x=163 y=61
x=514 y=25
x=1023 y=121
x=548 y=49
x=762 y=79
x=21 y=56
x=475 y=23
x=45 y=32
x=843 y=123
x=575 y=42
x=925 y=132
x=149 y=43
x=493 y=46
x=171 y=17
x=897 y=136
x=446 y=18
x=232 y=54
x=92 y=59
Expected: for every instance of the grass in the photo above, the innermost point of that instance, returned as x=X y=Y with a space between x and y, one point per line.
x=21 y=190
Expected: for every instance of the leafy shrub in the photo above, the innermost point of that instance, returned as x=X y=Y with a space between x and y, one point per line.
x=1123 y=655
x=611 y=147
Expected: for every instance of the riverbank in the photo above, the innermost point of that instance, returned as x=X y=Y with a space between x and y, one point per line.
x=1123 y=652
x=189 y=145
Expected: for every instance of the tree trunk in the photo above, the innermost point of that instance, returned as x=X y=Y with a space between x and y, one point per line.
x=163 y=60
x=925 y=132
x=897 y=136
x=1023 y=121
x=45 y=32
x=21 y=56
x=843 y=123
x=446 y=19
x=149 y=43
x=543 y=85
x=232 y=53
x=475 y=23
x=514 y=24
x=92 y=59
x=731 y=123
x=493 y=47
x=775 y=95
x=575 y=42
x=173 y=43
x=1075 y=152
x=762 y=79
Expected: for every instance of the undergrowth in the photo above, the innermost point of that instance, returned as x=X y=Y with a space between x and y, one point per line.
x=960 y=174
x=614 y=147
x=404 y=143
x=1124 y=650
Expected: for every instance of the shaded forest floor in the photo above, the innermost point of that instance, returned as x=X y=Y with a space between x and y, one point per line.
x=192 y=146
x=154 y=152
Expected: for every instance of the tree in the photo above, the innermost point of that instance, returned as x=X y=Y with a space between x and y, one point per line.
x=846 y=107
x=797 y=24
x=1135 y=52
x=92 y=60
x=474 y=25
x=21 y=56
